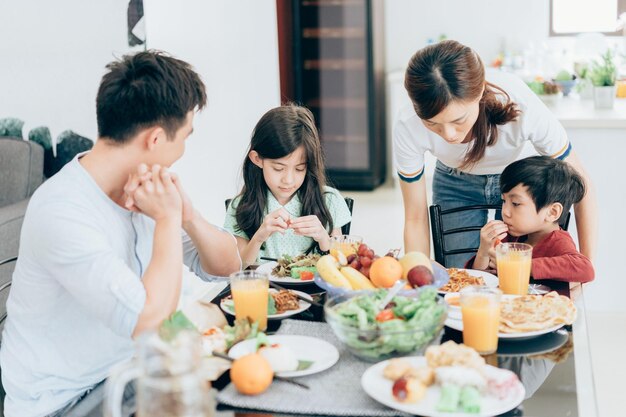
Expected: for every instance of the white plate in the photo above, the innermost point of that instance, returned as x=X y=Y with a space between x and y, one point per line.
x=458 y=325
x=490 y=279
x=536 y=346
x=379 y=388
x=267 y=268
x=321 y=353
x=303 y=306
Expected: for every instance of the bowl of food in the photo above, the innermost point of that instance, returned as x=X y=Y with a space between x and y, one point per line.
x=405 y=326
x=453 y=300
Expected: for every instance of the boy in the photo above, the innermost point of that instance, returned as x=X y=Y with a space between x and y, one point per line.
x=101 y=252
x=536 y=193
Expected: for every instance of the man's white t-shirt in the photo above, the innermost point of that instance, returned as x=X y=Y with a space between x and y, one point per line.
x=535 y=125
x=76 y=292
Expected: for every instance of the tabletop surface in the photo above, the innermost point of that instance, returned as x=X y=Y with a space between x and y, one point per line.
x=558 y=382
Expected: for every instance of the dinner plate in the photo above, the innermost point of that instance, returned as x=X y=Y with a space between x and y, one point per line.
x=379 y=388
x=490 y=279
x=321 y=353
x=267 y=268
x=457 y=324
x=536 y=346
x=229 y=308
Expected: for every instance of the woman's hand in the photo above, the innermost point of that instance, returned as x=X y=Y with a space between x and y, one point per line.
x=310 y=226
x=490 y=234
x=276 y=221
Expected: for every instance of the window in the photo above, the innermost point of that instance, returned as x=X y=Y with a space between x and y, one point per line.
x=570 y=17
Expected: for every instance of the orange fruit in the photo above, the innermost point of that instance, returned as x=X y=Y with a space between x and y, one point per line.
x=385 y=271
x=251 y=374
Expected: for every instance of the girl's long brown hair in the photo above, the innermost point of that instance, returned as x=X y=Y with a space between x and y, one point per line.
x=280 y=132
x=448 y=71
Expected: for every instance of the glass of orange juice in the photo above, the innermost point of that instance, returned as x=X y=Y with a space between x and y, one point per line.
x=480 y=311
x=250 y=290
x=346 y=244
x=513 y=262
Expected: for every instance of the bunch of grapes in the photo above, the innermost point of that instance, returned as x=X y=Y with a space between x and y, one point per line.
x=362 y=260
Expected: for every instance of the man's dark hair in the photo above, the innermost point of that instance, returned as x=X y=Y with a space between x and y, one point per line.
x=548 y=180
x=146 y=89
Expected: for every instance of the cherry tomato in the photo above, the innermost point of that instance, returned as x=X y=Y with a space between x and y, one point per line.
x=306 y=275
x=385 y=315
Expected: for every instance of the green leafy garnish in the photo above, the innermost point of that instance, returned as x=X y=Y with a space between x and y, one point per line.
x=174 y=324
x=302 y=365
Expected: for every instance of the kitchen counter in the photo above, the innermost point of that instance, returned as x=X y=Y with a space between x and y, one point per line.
x=572 y=111
x=575 y=113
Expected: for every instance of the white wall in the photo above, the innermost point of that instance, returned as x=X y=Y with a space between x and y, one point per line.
x=233 y=45
x=483 y=25
x=52 y=56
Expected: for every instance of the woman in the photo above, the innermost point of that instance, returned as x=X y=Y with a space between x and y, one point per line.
x=475 y=127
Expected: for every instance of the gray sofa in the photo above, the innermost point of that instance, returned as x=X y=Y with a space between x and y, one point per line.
x=21 y=172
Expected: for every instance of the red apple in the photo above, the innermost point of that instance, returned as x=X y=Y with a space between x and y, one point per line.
x=419 y=276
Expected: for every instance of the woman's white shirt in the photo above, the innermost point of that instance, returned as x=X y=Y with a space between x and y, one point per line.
x=536 y=125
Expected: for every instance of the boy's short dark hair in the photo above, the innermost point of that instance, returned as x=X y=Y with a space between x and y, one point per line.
x=548 y=180
x=146 y=89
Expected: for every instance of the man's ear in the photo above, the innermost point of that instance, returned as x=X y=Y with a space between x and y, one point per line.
x=154 y=136
x=554 y=212
x=256 y=159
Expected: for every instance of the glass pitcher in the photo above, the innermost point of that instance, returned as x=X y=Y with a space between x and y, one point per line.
x=169 y=379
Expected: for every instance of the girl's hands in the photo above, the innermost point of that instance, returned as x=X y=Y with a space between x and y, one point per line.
x=490 y=234
x=310 y=226
x=276 y=221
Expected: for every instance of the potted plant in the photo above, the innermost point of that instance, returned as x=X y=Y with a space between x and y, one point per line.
x=603 y=74
x=566 y=81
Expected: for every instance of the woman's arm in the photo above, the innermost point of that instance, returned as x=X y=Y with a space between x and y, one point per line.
x=416 y=226
x=586 y=212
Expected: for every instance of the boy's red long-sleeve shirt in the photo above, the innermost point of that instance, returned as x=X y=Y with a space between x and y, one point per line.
x=556 y=257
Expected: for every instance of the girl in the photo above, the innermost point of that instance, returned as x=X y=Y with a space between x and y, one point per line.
x=475 y=128
x=285 y=207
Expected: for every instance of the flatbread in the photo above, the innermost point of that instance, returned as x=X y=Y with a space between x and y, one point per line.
x=536 y=312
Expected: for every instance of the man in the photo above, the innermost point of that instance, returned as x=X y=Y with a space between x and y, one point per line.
x=101 y=251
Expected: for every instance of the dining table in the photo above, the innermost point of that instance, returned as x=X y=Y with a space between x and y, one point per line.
x=555 y=368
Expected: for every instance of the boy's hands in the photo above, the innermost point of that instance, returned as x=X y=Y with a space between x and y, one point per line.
x=490 y=234
x=153 y=193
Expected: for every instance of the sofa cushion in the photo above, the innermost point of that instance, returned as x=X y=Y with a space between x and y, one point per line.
x=11 y=218
x=21 y=169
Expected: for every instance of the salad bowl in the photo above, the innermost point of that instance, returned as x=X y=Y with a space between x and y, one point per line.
x=406 y=326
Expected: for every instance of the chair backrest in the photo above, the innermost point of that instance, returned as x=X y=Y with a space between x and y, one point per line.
x=437 y=228
x=345 y=229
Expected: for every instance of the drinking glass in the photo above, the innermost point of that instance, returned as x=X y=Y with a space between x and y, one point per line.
x=480 y=311
x=346 y=244
x=513 y=261
x=170 y=381
x=250 y=290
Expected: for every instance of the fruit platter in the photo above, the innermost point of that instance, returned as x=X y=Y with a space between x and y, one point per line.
x=357 y=268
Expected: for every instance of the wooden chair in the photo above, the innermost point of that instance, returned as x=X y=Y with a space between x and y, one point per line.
x=439 y=232
x=345 y=229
